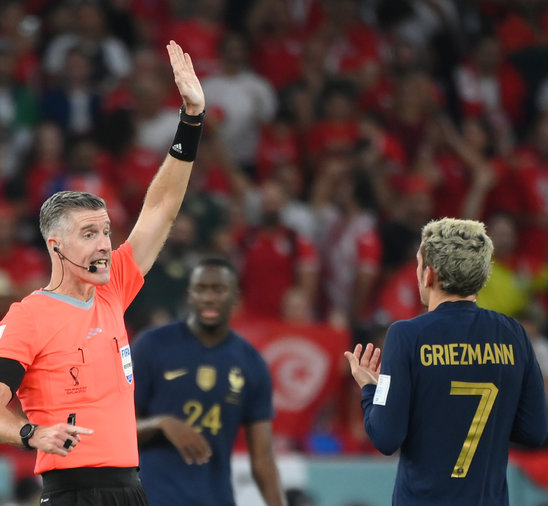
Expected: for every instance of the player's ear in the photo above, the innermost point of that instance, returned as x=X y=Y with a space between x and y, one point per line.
x=429 y=276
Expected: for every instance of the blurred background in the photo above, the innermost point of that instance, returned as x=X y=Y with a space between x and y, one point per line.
x=335 y=130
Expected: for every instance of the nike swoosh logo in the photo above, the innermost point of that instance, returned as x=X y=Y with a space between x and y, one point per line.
x=177 y=373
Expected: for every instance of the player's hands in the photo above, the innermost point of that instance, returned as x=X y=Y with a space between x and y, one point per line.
x=185 y=78
x=193 y=447
x=365 y=367
x=52 y=439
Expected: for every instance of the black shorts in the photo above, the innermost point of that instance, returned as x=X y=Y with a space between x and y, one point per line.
x=93 y=486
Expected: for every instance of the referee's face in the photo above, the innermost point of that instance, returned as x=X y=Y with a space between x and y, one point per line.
x=211 y=295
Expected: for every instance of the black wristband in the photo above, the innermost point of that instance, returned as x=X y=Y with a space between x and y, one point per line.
x=186 y=141
x=189 y=118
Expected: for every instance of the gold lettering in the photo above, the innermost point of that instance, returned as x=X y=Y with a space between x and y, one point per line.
x=466 y=354
x=499 y=358
x=488 y=354
x=475 y=354
x=426 y=354
x=463 y=357
x=437 y=352
x=453 y=354
x=508 y=353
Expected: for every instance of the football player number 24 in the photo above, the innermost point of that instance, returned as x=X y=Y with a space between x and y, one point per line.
x=201 y=419
x=488 y=393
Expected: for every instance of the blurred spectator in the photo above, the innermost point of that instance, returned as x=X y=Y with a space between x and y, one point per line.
x=350 y=244
x=525 y=25
x=335 y=133
x=528 y=200
x=163 y=296
x=398 y=298
x=122 y=21
x=135 y=164
x=200 y=34
x=416 y=99
x=296 y=212
x=273 y=258
x=22 y=31
x=45 y=162
x=89 y=31
x=242 y=100
x=487 y=84
x=533 y=320
x=72 y=101
x=412 y=208
x=276 y=43
x=23 y=267
x=511 y=285
x=381 y=157
x=278 y=144
x=154 y=120
x=297 y=307
x=347 y=39
x=18 y=113
x=88 y=169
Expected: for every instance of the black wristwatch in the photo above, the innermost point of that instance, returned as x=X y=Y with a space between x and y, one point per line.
x=197 y=119
x=26 y=432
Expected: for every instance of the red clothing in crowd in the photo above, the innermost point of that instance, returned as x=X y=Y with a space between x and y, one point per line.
x=23 y=264
x=278 y=61
x=331 y=138
x=529 y=179
x=200 y=40
x=399 y=297
x=512 y=92
x=269 y=264
x=278 y=144
x=515 y=32
x=452 y=187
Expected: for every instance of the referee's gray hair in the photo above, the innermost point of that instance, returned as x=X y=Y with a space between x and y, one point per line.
x=460 y=252
x=55 y=210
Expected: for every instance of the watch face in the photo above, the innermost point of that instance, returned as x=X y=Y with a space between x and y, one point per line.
x=26 y=430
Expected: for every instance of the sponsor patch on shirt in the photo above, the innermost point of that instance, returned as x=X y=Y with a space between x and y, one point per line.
x=381 y=393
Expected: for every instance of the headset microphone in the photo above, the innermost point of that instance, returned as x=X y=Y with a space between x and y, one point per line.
x=91 y=268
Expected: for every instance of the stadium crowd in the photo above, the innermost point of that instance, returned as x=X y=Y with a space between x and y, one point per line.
x=335 y=130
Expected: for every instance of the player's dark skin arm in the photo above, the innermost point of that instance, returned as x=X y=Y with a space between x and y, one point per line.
x=263 y=465
x=192 y=446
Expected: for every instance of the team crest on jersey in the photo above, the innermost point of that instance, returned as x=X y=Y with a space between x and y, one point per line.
x=236 y=382
x=206 y=377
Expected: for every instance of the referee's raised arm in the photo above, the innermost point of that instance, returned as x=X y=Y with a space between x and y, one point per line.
x=166 y=191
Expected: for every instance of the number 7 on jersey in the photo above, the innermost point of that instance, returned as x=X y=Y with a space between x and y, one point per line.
x=488 y=393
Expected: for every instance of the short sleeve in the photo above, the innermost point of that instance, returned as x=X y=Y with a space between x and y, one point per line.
x=19 y=339
x=259 y=403
x=126 y=278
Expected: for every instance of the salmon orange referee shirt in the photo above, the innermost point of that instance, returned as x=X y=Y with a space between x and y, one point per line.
x=77 y=360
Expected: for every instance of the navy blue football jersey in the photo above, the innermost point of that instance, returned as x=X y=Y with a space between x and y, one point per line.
x=216 y=390
x=457 y=384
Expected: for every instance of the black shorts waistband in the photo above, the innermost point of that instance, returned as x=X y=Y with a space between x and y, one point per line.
x=90 y=477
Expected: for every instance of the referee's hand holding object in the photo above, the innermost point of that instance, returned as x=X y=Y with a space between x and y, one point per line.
x=52 y=439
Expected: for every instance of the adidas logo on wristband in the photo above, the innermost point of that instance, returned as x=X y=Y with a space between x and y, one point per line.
x=177 y=147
